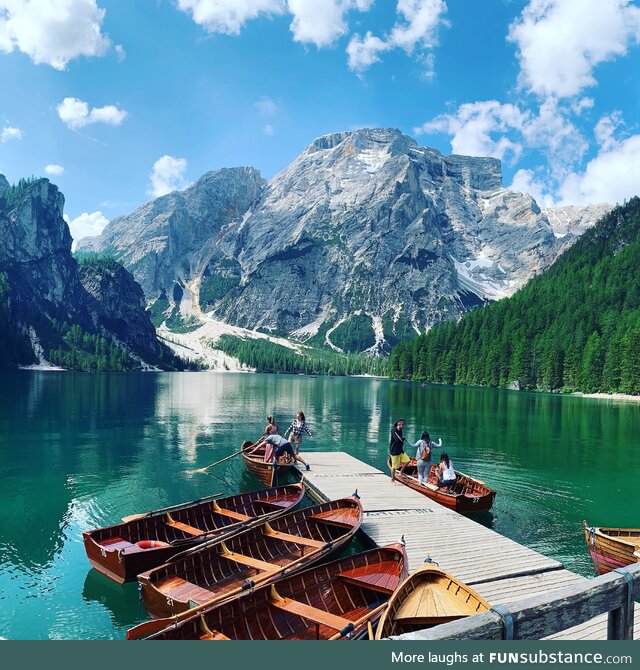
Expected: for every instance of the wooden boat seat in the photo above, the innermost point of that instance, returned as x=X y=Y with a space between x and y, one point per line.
x=118 y=543
x=251 y=562
x=231 y=514
x=314 y=632
x=334 y=518
x=382 y=577
x=190 y=530
x=310 y=613
x=277 y=503
x=181 y=589
x=306 y=541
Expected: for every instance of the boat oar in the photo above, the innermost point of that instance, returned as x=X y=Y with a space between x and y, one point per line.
x=133 y=517
x=222 y=460
x=356 y=624
x=156 y=625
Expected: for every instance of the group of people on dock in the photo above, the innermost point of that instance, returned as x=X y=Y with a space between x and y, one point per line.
x=278 y=446
x=445 y=473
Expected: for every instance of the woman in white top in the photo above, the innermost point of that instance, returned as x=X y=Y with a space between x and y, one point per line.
x=446 y=473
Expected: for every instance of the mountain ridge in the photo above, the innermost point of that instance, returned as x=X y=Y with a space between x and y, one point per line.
x=364 y=232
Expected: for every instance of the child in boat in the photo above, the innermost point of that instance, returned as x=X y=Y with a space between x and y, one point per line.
x=396 y=450
x=446 y=474
x=296 y=429
x=424 y=451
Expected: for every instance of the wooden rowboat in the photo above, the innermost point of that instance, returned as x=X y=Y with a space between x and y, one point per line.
x=466 y=496
x=123 y=551
x=612 y=548
x=222 y=569
x=429 y=597
x=253 y=458
x=335 y=600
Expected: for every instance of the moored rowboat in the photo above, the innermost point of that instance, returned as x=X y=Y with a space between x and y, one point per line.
x=336 y=600
x=429 y=597
x=123 y=551
x=466 y=496
x=265 y=472
x=222 y=569
x=612 y=548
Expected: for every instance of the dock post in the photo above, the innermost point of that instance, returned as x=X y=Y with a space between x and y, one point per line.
x=620 y=623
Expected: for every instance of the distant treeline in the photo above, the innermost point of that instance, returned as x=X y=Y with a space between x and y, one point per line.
x=268 y=357
x=575 y=327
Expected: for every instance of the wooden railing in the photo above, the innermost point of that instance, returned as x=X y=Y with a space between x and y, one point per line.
x=539 y=616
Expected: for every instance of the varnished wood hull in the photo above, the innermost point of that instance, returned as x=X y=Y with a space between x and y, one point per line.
x=469 y=496
x=263 y=553
x=429 y=597
x=612 y=548
x=264 y=472
x=114 y=551
x=331 y=601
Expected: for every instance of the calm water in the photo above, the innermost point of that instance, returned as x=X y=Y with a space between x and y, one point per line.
x=80 y=451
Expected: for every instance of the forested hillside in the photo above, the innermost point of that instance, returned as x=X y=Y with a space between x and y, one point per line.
x=574 y=327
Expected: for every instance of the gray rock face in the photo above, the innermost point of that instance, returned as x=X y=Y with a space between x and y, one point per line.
x=46 y=286
x=121 y=304
x=365 y=236
x=169 y=240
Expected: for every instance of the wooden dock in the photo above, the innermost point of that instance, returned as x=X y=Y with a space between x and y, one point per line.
x=498 y=568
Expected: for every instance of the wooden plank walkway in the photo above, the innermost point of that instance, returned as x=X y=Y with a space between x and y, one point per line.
x=500 y=569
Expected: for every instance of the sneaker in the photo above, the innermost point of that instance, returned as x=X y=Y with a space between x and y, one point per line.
x=307 y=466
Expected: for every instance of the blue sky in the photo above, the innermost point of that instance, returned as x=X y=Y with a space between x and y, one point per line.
x=119 y=101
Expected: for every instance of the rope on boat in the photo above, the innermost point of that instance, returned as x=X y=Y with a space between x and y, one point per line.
x=592 y=538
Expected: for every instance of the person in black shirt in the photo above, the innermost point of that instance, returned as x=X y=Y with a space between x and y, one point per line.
x=396 y=449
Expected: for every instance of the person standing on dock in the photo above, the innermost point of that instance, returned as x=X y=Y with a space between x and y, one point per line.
x=396 y=449
x=424 y=452
x=296 y=430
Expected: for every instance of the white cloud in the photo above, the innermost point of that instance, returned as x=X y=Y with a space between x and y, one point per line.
x=10 y=133
x=120 y=52
x=526 y=181
x=54 y=170
x=560 y=42
x=77 y=114
x=491 y=128
x=479 y=129
x=268 y=129
x=606 y=128
x=266 y=106
x=363 y=52
x=229 y=16
x=322 y=22
x=416 y=29
x=318 y=22
x=86 y=225
x=612 y=176
x=53 y=32
x=168 y=175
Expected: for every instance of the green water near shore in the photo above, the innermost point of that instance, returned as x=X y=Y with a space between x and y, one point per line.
x=79 y=451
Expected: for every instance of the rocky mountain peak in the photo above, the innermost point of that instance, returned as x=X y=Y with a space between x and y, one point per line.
x=365 y=237
x=4 y=184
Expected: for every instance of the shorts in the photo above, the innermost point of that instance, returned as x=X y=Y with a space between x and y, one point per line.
x=398 y=459
x=283 y=449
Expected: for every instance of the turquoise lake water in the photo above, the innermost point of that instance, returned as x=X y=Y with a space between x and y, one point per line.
x=79 y=451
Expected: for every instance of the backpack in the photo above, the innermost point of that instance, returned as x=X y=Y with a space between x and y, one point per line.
x=425 y=452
